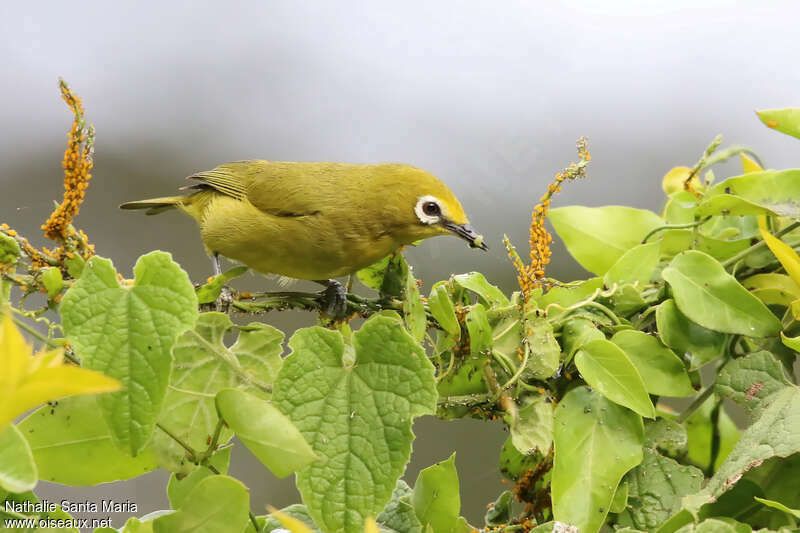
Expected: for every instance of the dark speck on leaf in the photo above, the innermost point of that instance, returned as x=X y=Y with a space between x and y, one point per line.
x=727 y=190
x=149 y=347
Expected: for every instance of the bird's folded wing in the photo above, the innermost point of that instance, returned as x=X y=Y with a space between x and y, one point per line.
x=272 y=187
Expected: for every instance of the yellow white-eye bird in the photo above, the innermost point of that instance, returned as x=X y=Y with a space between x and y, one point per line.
x=315 y=221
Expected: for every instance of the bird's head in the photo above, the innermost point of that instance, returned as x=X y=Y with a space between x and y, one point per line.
x=424 y=207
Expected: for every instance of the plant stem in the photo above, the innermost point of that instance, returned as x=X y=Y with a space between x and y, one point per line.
x=192 y=453
x=466 y=400
x=695 y=405
x=760 y=244
x=694 y=224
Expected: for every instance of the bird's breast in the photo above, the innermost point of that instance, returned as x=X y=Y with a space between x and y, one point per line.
x=318 y=246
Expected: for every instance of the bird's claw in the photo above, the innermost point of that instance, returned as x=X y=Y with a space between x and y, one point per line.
x=333 y=300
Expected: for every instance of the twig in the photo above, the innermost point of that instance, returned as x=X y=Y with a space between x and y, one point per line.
x=758 y=245
x=696 y=404
x=192 y=453
x=694 y=224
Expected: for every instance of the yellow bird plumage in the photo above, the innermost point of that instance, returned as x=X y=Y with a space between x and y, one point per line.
x=316 y=221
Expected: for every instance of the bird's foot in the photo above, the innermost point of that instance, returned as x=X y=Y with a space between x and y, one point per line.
x=334 y=299
x=224 y=300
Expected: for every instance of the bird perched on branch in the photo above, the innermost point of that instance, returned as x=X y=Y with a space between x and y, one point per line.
x=315 y=221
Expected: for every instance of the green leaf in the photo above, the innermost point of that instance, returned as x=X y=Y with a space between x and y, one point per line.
x=715 y=525
x=72 y=445
x=656 y=487
x=661 y=370
x=355 y=406
x=751 y=380
x=666 y=435
x=178 y=489
x=786 y=120
x=772 y=288
x=711 y=297
x=532 y=428
x=770 y=192
x=52 y=281
x=134 y=525
x=545 y=352
x=9 y=250
x=436 y=499
x=620 y=501
x=203 y=366
x=513 y=464
x=635 y=265
x=698 y=344
x=296 y=511
x=480 y=333
x=387 y=276
x=700 y=430
x=775 y=433
x=413 y=309
x=218 y=504
x=598 y=236
x=75 y=266
x=17 y=467
x=209 y=292
x=399 y=516
x=606 y=368
x=626 y=300
x=266 y=432
x=566 y=295
x=476 y=282
x=127 y=333
x=596 y=443
x=576 y=332
x=779 y=506
x=499 y=512
x=681 y=206
x=442 y=309
x=677 y=240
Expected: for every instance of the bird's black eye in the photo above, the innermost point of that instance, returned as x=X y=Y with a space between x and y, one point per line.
x=431 y=209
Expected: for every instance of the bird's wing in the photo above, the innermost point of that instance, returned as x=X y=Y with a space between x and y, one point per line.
x=273 y=187
x=229 y=179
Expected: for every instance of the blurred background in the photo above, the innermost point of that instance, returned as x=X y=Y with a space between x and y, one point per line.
x=490 y=97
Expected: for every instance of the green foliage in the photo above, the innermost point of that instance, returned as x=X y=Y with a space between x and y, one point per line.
x=72 y=445
x=354 y=404
x=596 y=443
x=128 y=334
x=578 y=372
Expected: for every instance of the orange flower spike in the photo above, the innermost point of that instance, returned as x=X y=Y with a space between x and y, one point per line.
x=77 y=163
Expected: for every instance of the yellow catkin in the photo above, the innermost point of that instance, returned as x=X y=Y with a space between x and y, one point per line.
x=77 y=165
x=531 y=277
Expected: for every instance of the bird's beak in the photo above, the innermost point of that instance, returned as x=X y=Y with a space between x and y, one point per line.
x=466 y=232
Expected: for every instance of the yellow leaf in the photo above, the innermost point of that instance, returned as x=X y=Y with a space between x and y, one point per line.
x=748 y=164
x=27 y=381
x=673 y=180
x=785 y=254
x=14 y=354
x=289 y=522
x=370 y=526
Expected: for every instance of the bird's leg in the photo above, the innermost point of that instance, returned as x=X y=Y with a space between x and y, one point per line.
x=225 y=298
x=215 y=264
x=334 y=298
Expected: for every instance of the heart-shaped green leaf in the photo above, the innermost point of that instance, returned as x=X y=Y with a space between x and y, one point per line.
x=127 y=333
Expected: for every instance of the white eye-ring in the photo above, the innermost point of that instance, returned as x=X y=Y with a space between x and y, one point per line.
x=428 y=209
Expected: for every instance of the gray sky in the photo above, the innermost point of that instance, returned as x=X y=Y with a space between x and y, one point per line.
x=490 y=96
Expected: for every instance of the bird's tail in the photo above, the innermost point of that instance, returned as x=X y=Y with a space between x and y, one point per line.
x=155 y=206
